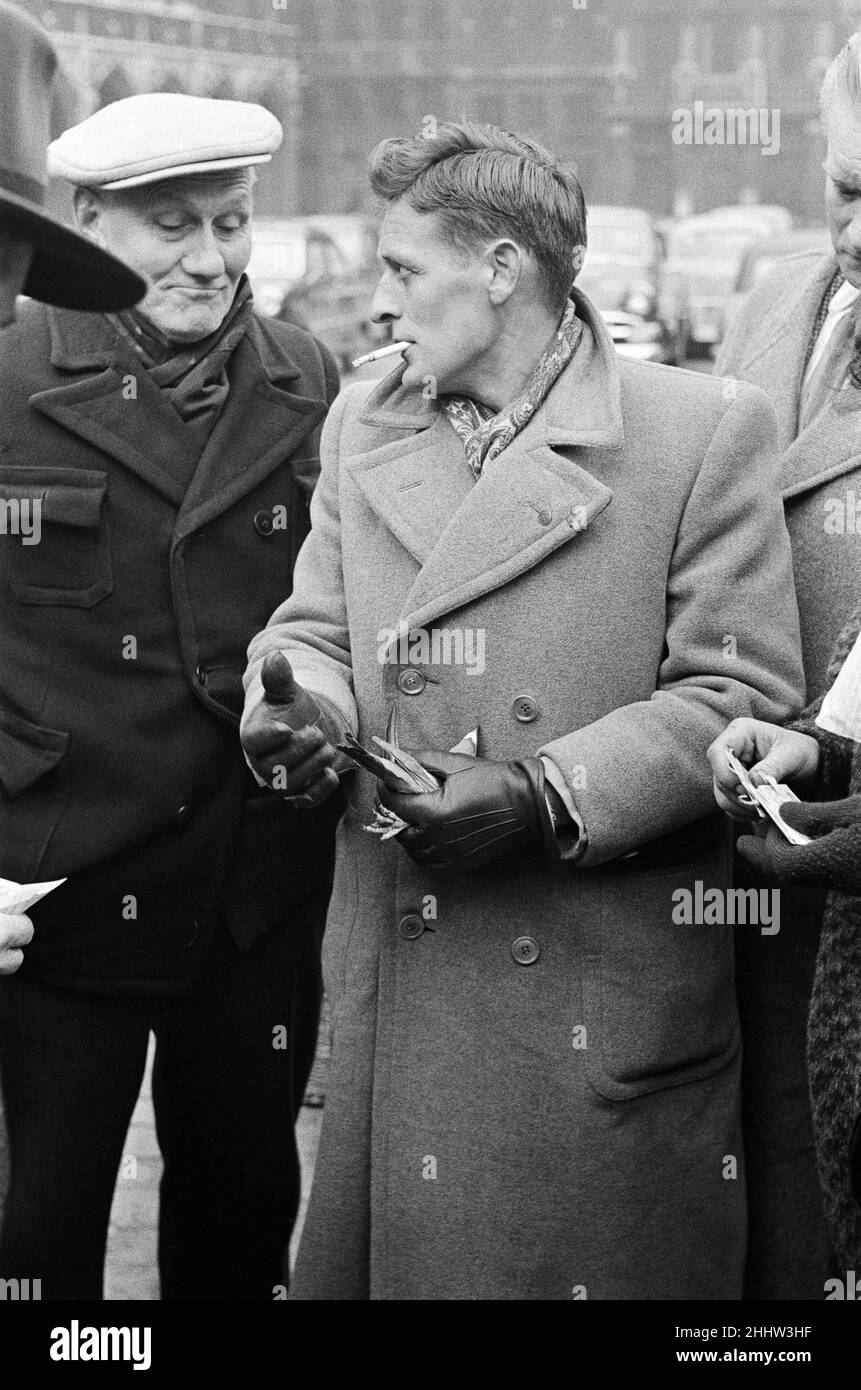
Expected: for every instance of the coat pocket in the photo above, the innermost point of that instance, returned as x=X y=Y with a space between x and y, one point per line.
x=34 y=792
x=659 y=995
x=57 y=540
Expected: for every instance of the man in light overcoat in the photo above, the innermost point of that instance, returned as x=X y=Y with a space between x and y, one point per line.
x=534 y=1089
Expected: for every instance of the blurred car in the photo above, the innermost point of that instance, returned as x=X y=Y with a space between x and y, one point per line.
x=759 y=258
x=320 y=273
x=620 y=276
x=703 y=258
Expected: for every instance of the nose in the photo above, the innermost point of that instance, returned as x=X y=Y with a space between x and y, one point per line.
x=203 y=257
x=385 y=305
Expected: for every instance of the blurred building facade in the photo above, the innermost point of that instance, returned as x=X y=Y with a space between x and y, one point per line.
x=597 y=80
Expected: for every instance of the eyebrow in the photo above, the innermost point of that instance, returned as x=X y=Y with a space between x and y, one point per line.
x=241 y=203
x=841 y=173
x=393 y=259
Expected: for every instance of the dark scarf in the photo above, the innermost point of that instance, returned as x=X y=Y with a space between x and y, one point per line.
x=193 y=377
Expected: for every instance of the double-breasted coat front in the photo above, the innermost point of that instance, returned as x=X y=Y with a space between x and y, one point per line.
x=535 y=1069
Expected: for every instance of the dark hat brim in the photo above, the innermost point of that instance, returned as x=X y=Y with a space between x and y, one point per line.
x=67 y=269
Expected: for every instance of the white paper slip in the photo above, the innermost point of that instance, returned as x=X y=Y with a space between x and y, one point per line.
x=16 y=898
x=768 y=798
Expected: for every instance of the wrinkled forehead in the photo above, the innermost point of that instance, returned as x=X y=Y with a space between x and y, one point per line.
x=409 y=235
x=225 y=191
x=843 y=129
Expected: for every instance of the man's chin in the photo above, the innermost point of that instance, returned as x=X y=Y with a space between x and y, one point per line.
x=186 y=328
x=850 y=269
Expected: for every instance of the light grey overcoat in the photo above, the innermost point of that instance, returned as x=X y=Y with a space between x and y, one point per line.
x=820 y=474
x=534 y=1086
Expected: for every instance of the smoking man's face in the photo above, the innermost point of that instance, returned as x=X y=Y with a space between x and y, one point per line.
x=434 y=296
x=190 y=238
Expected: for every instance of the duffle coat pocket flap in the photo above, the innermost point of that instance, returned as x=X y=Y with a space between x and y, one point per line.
x=64 y=557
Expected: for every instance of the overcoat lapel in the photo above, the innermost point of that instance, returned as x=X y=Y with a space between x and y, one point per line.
x=777 y=361
x=143 y=431
x=472 y=537
x=829 y=447
x=261 y=424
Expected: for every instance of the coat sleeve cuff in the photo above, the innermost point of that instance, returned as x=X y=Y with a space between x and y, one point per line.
x=571 y=839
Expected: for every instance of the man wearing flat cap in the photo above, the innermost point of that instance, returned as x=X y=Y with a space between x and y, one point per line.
x=172 y=450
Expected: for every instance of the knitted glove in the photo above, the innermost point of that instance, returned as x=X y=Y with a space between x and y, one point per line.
x=834 y=857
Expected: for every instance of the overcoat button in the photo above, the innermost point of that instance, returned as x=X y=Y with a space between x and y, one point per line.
x=263 y=523
x=412 y=682
x=525 y=709
x=545 y=516
x=525 y=950
x=183 y=815
x=410 y=926
x=200 y=674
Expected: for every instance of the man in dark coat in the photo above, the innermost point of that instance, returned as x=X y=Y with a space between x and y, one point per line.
x=168 y=455
x=794 y=338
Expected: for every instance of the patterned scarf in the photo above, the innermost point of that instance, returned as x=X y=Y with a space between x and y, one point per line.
x=485 y=432
x=193 y=377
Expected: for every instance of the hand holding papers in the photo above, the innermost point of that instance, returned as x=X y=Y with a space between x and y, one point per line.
x=16 y=898
x=767 y=798
x=399 y=771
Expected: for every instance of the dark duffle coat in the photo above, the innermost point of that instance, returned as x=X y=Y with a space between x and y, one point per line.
x=534 y=1089
x=123 y=636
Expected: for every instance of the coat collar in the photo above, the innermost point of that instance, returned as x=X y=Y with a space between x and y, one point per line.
x=776 y=360
x=261 y=424
x=583 y=408
x=472 y=537
x=831 y=444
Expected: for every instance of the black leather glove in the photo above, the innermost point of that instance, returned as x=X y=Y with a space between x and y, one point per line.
x=289 y=739
x=482 y=810
x=834 y=857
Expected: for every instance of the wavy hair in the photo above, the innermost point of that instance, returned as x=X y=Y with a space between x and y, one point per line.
x=487 y=183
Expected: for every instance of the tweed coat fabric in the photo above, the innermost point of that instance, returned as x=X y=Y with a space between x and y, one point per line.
x=535 y=1070
x=834 y=1026
x=769 y=344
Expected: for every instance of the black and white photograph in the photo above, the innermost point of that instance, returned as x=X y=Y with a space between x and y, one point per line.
x=430 y=671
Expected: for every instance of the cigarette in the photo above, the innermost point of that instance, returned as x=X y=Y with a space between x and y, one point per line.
x=381 y=352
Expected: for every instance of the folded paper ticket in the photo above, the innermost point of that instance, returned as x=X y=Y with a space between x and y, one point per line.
x=20 y=897
x=399 y=771
x=767 y=798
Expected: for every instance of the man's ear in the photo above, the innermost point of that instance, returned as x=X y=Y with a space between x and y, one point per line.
x=89 y=208
x=504 y=263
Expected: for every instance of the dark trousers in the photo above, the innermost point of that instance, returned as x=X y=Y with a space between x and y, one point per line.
x=232 y=1059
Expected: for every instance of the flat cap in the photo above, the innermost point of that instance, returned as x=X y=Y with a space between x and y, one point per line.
x=163 y=135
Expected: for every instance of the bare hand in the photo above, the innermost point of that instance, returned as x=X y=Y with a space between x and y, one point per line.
x=763 y=748
x=16 y=931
